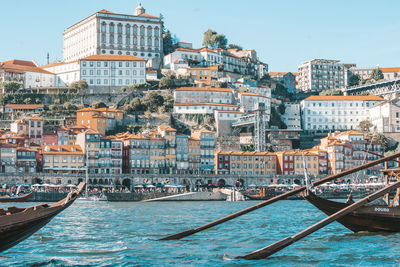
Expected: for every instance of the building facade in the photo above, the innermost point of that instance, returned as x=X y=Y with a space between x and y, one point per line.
x=330 y=113
x=110 y=33
x=320 y=74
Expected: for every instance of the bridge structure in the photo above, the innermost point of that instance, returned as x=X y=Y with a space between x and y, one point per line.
x=386 y=89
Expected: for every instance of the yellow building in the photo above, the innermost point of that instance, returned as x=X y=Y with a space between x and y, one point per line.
x=194 y=155
x=311 y=159
x=63 y=159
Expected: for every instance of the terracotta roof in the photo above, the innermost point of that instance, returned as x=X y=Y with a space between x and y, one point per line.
x=352 y=132
x=22 y=68
x=204 y=89
x=187 y=49
x=148 y=16
x=35 y=118
x=252 y=94
x=62 y=149
x=24 y=106
x=388 y=70
x=203 y=68
x=344 y=98
x=21 y=62
x=57 y=64
x=106 y=11
x=166 y=128
x=205 y=104
x=113 y=57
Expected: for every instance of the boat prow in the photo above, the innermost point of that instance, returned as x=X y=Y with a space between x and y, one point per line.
x=368 y=218
x=17 y=224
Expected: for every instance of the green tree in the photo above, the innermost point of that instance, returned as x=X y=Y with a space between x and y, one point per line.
x=139 y=86
x=166 y=82
x=365 y=126
x=153 y=100
x=382 y=140
x=123 y=89
x=377 y=74
x=214 y=40
x=168 y=45
x=79 y=85
x=168 y=102
x=235 y=46
x=136 y=105
x=99 y=105
x=354 y=80
x=38 y=101
x=28 y=100
x=281 y=90
x=281 y=108
x=11 y=86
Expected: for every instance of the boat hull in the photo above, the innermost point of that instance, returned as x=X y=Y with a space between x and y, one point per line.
x=367 y=218
x=16 y=199
x=17 y=225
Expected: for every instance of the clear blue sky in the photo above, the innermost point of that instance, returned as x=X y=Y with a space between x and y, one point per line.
x=284 y=33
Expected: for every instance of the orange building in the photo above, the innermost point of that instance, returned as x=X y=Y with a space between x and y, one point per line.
x=101 y=119
x=206 y=75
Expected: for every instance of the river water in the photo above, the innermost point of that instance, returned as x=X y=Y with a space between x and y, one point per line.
x=125 y=234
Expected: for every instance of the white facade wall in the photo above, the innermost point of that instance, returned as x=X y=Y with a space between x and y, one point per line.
x=100 y=34
x=319 y=74
x=181 y=54
x=251 y=101
x=39 y=79
x=385 y=117
x=330 y=115
x=292 y=117
x=112 y=73
x=66 y=73
x=203 y=96
x=196 y=108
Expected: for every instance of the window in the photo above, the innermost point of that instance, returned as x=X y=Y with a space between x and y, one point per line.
x=127 y=72
x=105 y=72
x=111 y=38
x=119 y=39
x=119 y=28
x=98 y=81
x=142 y=30
x=103 y=27
x=128 y=29
x=112 y=28
x=105 y=81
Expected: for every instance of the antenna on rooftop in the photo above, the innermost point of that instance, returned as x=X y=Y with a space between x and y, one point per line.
x=48 y=58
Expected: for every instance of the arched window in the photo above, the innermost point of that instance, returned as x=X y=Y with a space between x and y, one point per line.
x=120 y=28
x=128 y=40
x=134 y=40
x=111 y=27
x=141 y=40
x=142 y=30
x=103 y=27
x=156 y=42
x=112 y=38
x=156 y=31
x=149 y=41
x=128 y=29
x=119 y=39
x=103 y=38
x=149 y=31
x=135 y=30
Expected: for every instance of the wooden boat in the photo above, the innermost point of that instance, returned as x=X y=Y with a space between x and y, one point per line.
x=370 y=218
x=16 y=198
x=17 y=224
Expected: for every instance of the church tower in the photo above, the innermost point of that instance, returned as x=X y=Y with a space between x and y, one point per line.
x=139 y=10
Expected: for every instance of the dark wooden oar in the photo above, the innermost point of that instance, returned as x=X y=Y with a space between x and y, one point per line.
x=274 y=199
x=271 y=249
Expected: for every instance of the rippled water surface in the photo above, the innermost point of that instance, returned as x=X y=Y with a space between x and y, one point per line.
x=125 y=234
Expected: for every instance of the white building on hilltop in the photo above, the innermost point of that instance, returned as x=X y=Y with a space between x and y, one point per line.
x=319 y=74
x=106 y=32
x=331 y=113
x=103 y=73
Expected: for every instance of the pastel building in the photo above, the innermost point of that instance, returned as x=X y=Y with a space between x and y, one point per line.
x=330 y=113
x=106 y=32
x=63 y=159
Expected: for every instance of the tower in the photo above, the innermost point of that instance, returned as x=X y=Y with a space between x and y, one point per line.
x=139 y=10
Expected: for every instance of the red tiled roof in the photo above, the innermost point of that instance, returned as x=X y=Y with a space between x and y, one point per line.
x=24 y=106
x=148 y=16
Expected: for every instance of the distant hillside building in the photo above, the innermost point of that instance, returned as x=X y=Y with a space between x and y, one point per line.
x=110 y=33
x=320 y=74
